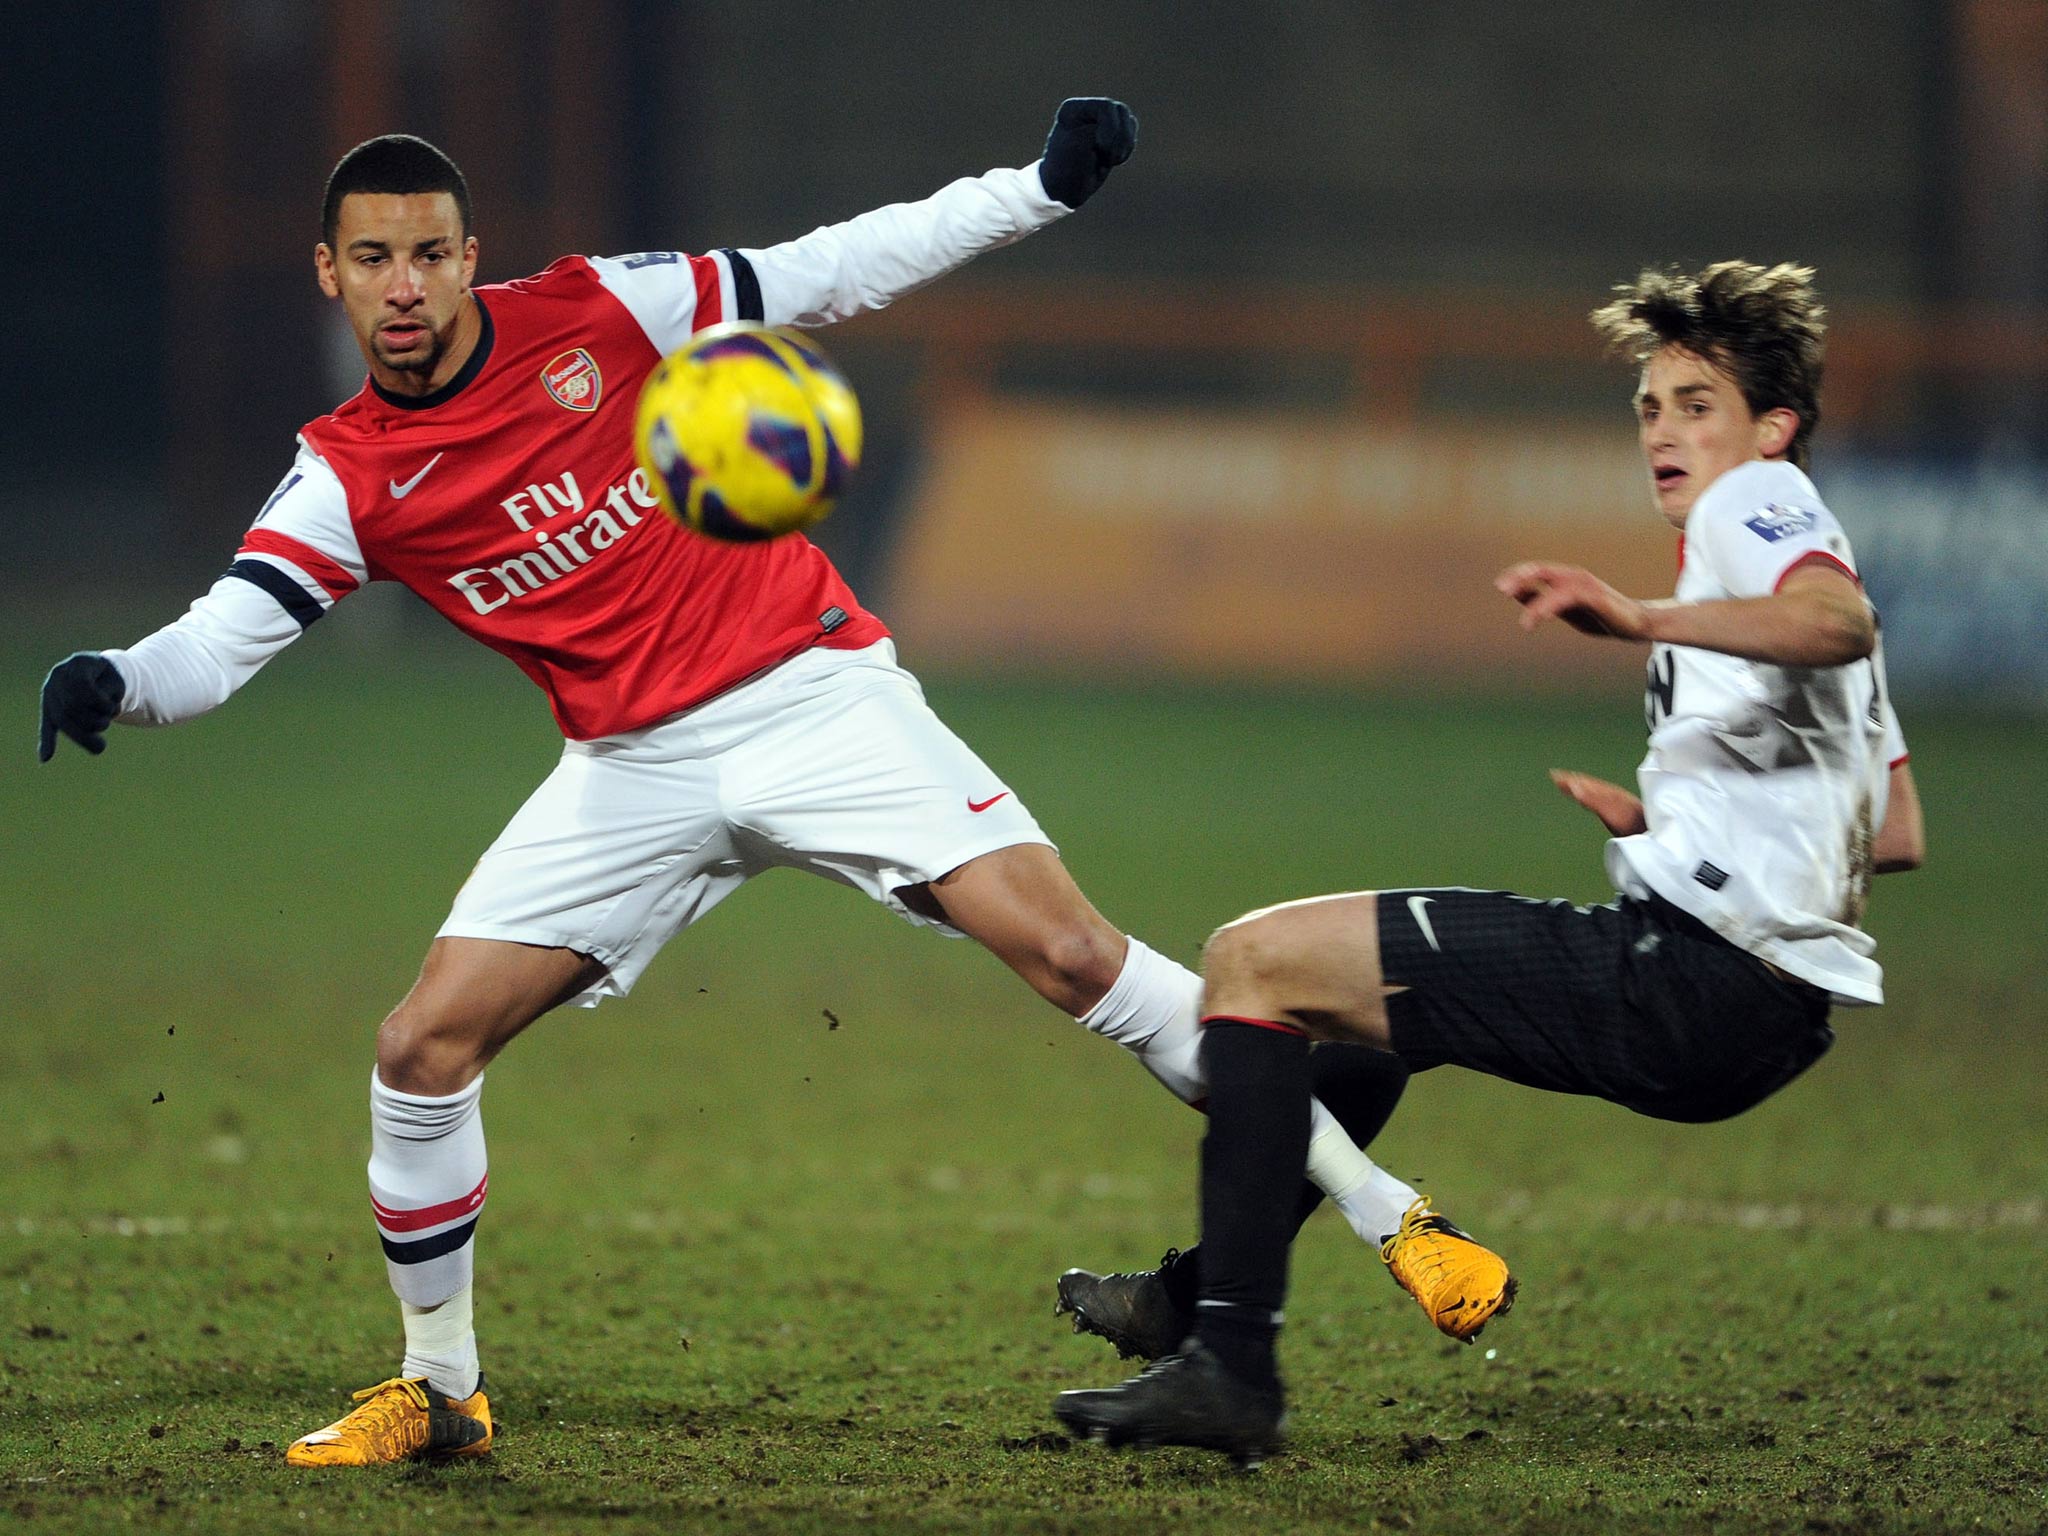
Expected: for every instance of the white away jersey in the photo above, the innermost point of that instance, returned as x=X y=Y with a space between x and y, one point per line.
x=1765 y=786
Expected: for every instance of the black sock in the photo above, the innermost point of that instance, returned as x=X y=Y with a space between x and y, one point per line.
x=1360 y=1087
x=1182 y=1277
x=1251 y=1157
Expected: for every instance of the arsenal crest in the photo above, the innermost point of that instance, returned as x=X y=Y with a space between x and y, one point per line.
x=574 y=381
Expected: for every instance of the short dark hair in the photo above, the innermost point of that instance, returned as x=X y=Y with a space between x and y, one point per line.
x=392 y=162
x=1763 y=326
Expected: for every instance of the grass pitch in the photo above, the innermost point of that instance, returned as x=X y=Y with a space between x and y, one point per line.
x=771 y=1243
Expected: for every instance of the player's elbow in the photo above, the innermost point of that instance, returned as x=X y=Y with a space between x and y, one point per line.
x=1843 y=633
x=1895 y=856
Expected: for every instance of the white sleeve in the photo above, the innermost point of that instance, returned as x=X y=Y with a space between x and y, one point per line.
x=297 y=560
x=870 y=261
x=305 y=531
x=674 y=295
x=1895 y=749
x=835 y=271
x=1752 y=546
x=193 y=664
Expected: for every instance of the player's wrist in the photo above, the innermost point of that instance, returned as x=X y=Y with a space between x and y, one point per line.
x=123 y=676
x=1035 y=190
x=1658 y=620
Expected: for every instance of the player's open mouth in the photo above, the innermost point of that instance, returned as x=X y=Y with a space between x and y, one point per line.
x=1667 y=475
x=402 y=338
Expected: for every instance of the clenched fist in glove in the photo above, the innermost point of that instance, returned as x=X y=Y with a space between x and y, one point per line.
x=1091 y=136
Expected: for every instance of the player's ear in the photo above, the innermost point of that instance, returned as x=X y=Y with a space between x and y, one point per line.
x=468 y=260
x=1775 y=430
x=323 y=271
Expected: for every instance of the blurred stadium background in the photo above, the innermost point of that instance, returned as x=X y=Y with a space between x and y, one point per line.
x=1316 y=361
x=1199 y=491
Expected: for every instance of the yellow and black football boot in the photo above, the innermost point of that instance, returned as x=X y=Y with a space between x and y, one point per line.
x=398 y=1420
x=1461 y=1285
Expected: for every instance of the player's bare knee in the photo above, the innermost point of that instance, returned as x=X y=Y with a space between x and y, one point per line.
x=1256 y=951
x=1078 y=963
x=428 y=1053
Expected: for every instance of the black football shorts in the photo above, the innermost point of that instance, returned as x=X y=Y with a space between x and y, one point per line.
x=1636 y=1002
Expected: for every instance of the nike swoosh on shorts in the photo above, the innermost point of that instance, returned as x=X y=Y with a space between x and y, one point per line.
x=1417 y=906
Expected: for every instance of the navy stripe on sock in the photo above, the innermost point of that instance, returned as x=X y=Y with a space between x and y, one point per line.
x=746 y=287
x=291 y=597
x=428 y=1247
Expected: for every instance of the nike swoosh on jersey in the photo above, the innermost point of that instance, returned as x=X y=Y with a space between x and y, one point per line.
x=991 y=800
x=402 y=489
x=1416 y=910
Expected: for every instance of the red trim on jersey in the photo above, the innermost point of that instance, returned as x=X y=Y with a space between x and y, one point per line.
x=431 y=1215
x=1233 y=1018
x=336 y=582
x=1903 y=757
x=1681 y=554
x=710 y=305
x=1810 y=557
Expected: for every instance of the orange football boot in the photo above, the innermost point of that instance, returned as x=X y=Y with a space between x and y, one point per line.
x=399 y=1419
x=1461 y=1285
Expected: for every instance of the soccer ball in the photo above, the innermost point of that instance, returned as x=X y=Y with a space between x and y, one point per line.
x=747 y=432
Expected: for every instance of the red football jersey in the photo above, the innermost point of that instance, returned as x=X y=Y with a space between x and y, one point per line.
x=510 y=500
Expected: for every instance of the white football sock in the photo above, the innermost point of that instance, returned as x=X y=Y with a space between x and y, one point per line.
x=1371 y=1199
x=440 y=1344
x=1154 y=1011
x=428 y=1180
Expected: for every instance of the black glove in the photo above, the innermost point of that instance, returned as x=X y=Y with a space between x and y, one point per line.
x=1090 y=136
x=81 y=696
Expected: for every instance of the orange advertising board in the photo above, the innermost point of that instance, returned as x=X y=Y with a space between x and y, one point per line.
x=1268 y=545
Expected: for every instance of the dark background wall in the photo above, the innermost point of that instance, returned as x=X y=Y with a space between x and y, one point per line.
x=1496 y=144
x=169 y=159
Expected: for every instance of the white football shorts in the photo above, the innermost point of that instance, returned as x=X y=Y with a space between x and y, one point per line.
x=831 y=762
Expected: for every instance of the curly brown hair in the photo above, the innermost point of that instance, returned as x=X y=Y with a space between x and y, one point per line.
x=1762 y=326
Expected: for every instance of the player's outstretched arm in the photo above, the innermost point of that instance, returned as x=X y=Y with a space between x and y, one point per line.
x=191 y=665
x=869 y=262
x=1817 y=618
x=296 y=562
x=81 y=697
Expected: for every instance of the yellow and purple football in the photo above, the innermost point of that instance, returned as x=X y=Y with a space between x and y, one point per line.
x=747 y=432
